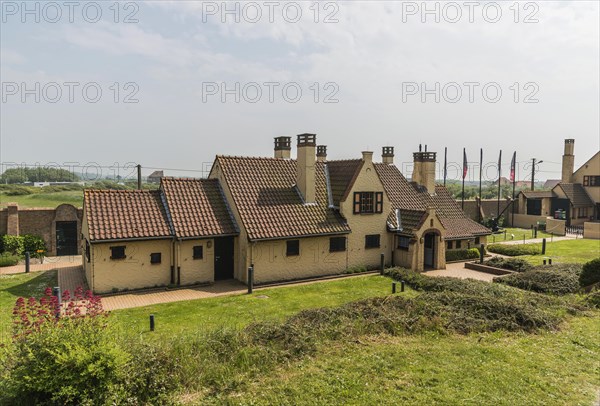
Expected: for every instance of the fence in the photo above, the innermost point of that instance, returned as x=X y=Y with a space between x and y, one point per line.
x=575 y=230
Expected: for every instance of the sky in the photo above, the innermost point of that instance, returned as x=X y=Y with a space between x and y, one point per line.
x=100 y=86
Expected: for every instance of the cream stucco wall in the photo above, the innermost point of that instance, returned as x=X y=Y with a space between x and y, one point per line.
x=555 y=226
x=195 y=271
x=133 y=272
x=271 y=263
x=591 y=230
x=590 y=168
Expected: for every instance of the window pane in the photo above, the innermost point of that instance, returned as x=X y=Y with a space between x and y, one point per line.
x=198 y=252
x=293 y=248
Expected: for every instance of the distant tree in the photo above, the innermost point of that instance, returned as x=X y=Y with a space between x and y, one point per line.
x=38 y=174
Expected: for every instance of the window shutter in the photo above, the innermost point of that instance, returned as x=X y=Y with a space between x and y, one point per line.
x=379 y=202
x=356 y=203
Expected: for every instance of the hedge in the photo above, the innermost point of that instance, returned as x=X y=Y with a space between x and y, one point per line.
x=8 y=260
x=19 y=244
x=590 y=273
x=511 y=264
x=459 y=255
x=514 y=250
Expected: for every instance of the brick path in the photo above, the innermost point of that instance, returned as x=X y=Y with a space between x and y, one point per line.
x=458 y=270
x=70 y=278
x=49 y=263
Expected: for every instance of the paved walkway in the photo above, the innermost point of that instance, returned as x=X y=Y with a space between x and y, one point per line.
x=458 y=270
x=70 y=278
x=534 y=240
x=49 y=263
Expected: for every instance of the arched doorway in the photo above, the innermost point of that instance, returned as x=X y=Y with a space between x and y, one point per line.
x=430 y=250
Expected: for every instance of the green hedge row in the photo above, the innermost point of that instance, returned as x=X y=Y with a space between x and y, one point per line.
x=515 y=250
x=18 y=245
x=459 y=255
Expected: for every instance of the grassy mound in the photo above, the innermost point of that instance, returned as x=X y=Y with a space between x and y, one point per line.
x=558 y=279
x=511 y=264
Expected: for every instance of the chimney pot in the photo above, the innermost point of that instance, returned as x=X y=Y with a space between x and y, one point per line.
x=305 y=167
x=321 y=153
x=424 y=170
x=387 y=155
x=568 y=161
x=283 y=147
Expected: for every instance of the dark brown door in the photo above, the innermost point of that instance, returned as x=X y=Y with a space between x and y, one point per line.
x=223 y=258
x=429 y=250
x=66 y=238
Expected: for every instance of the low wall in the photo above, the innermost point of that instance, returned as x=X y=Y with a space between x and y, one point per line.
x=487 y=269
x=591 y=230
x=526 y=220
x=556 y=227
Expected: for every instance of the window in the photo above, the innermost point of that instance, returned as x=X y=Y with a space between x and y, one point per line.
x=403 y=243
x=155 y=258
x=372 y=241
x=477 y=240
x=448 y=245
x=583 y=212
x=198 y=252
x=87 y=250
x=368 y=202
x=458 y=245
x=293 y=248
x=591 y=181
x=337 y=244
x=117 y=252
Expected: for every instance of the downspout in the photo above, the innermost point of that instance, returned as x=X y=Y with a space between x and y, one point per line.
x=173 y=261
x=177 y=262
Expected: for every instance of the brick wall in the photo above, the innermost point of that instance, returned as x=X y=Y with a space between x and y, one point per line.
x=39 y=221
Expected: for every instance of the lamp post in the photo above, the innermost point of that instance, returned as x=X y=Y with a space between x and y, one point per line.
x=533 y=172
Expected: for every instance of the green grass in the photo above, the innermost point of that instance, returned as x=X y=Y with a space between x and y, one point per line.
x=238 y=311
x=549 y=368
x=53 y=200
x=20 y=285
x=519 y=233
x=567 y=251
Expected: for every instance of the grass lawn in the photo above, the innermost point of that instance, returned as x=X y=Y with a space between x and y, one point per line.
x=574 y=251
x=238 y=311
x=20 y=285
x=53 y=200
x=550 y=368
x=519 y=233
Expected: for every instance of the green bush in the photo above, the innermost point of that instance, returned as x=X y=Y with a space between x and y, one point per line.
x=33 y=244
x=459 y=255
x=514 y=250
x=12 y=244
x=590 y=273
x=558 y=280
x=511 y=264
x=593 y=299
x=8 y=260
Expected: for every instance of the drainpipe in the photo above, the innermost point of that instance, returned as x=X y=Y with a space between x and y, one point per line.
x=173 y=261
x=177 y=262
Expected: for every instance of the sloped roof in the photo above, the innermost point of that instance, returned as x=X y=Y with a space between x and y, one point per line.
x=197 y=207
x=157 y=174
x=269 y=203
x=537 y=194
x=341 y=177
x=550 y=183
x=576 y=194
x=125 y=214
x=409 y=197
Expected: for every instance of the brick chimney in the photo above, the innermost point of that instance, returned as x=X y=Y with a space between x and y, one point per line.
x=387 y=155
x=424 y=169
x=305 y=172
x=283 y=147
x=322 y=153
x=568 y=161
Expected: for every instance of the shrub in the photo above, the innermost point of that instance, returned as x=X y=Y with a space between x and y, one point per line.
x=593 y=299
x=459 y=255
x=19 y=191
x=590 y=273
x=514 y=250
x=511 y=264
x=558 y=280
x=33 y=244
x=12 y=244
x=8 y=260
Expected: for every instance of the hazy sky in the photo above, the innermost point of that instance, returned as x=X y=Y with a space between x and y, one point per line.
x=170 y=74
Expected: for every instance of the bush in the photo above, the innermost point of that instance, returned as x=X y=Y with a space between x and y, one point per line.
x=590 y=273
x=8 y=260
x=511 y=264
x=593 y=299
x=19 y=191
x=33 y=244
x=558 y=280
x=12 y=244
x=514 y=250
x=459 y=255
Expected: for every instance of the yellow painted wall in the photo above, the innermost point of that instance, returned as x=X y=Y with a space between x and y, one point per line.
x=555 y=226
x=133 y=272
x=591 y=230
x=367 y=224
x=194 y=271
x=590 y=168
x=271 y=263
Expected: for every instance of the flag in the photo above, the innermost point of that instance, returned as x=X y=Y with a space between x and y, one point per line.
x=512 y=166
x=465 y=165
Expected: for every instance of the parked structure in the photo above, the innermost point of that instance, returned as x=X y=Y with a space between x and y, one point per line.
x=288 y=218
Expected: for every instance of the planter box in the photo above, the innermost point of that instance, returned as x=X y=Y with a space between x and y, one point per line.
x=487 y=269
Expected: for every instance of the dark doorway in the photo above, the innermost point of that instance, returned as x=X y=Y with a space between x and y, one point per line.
x=429 y=251
x=563 y=205
x=223 y=258
x=66 y=238
x=534 y=207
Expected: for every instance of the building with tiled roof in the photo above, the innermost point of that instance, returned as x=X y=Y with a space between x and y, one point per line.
x=288 y=219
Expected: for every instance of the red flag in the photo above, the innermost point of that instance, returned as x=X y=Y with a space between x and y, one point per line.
x=512 y=167
x=465 y=165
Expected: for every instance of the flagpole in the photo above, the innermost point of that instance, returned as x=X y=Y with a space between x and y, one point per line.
x=445 y=164
x=480 y=176
x=464 y=175
x=499 y=184
x=513 y=170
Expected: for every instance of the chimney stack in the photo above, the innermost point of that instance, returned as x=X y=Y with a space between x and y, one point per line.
x=305 y=172
x=387 y=155
x=424 y=169
x=568 y=161
x=322 y=153
x=367 y=156
x=283 y=147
